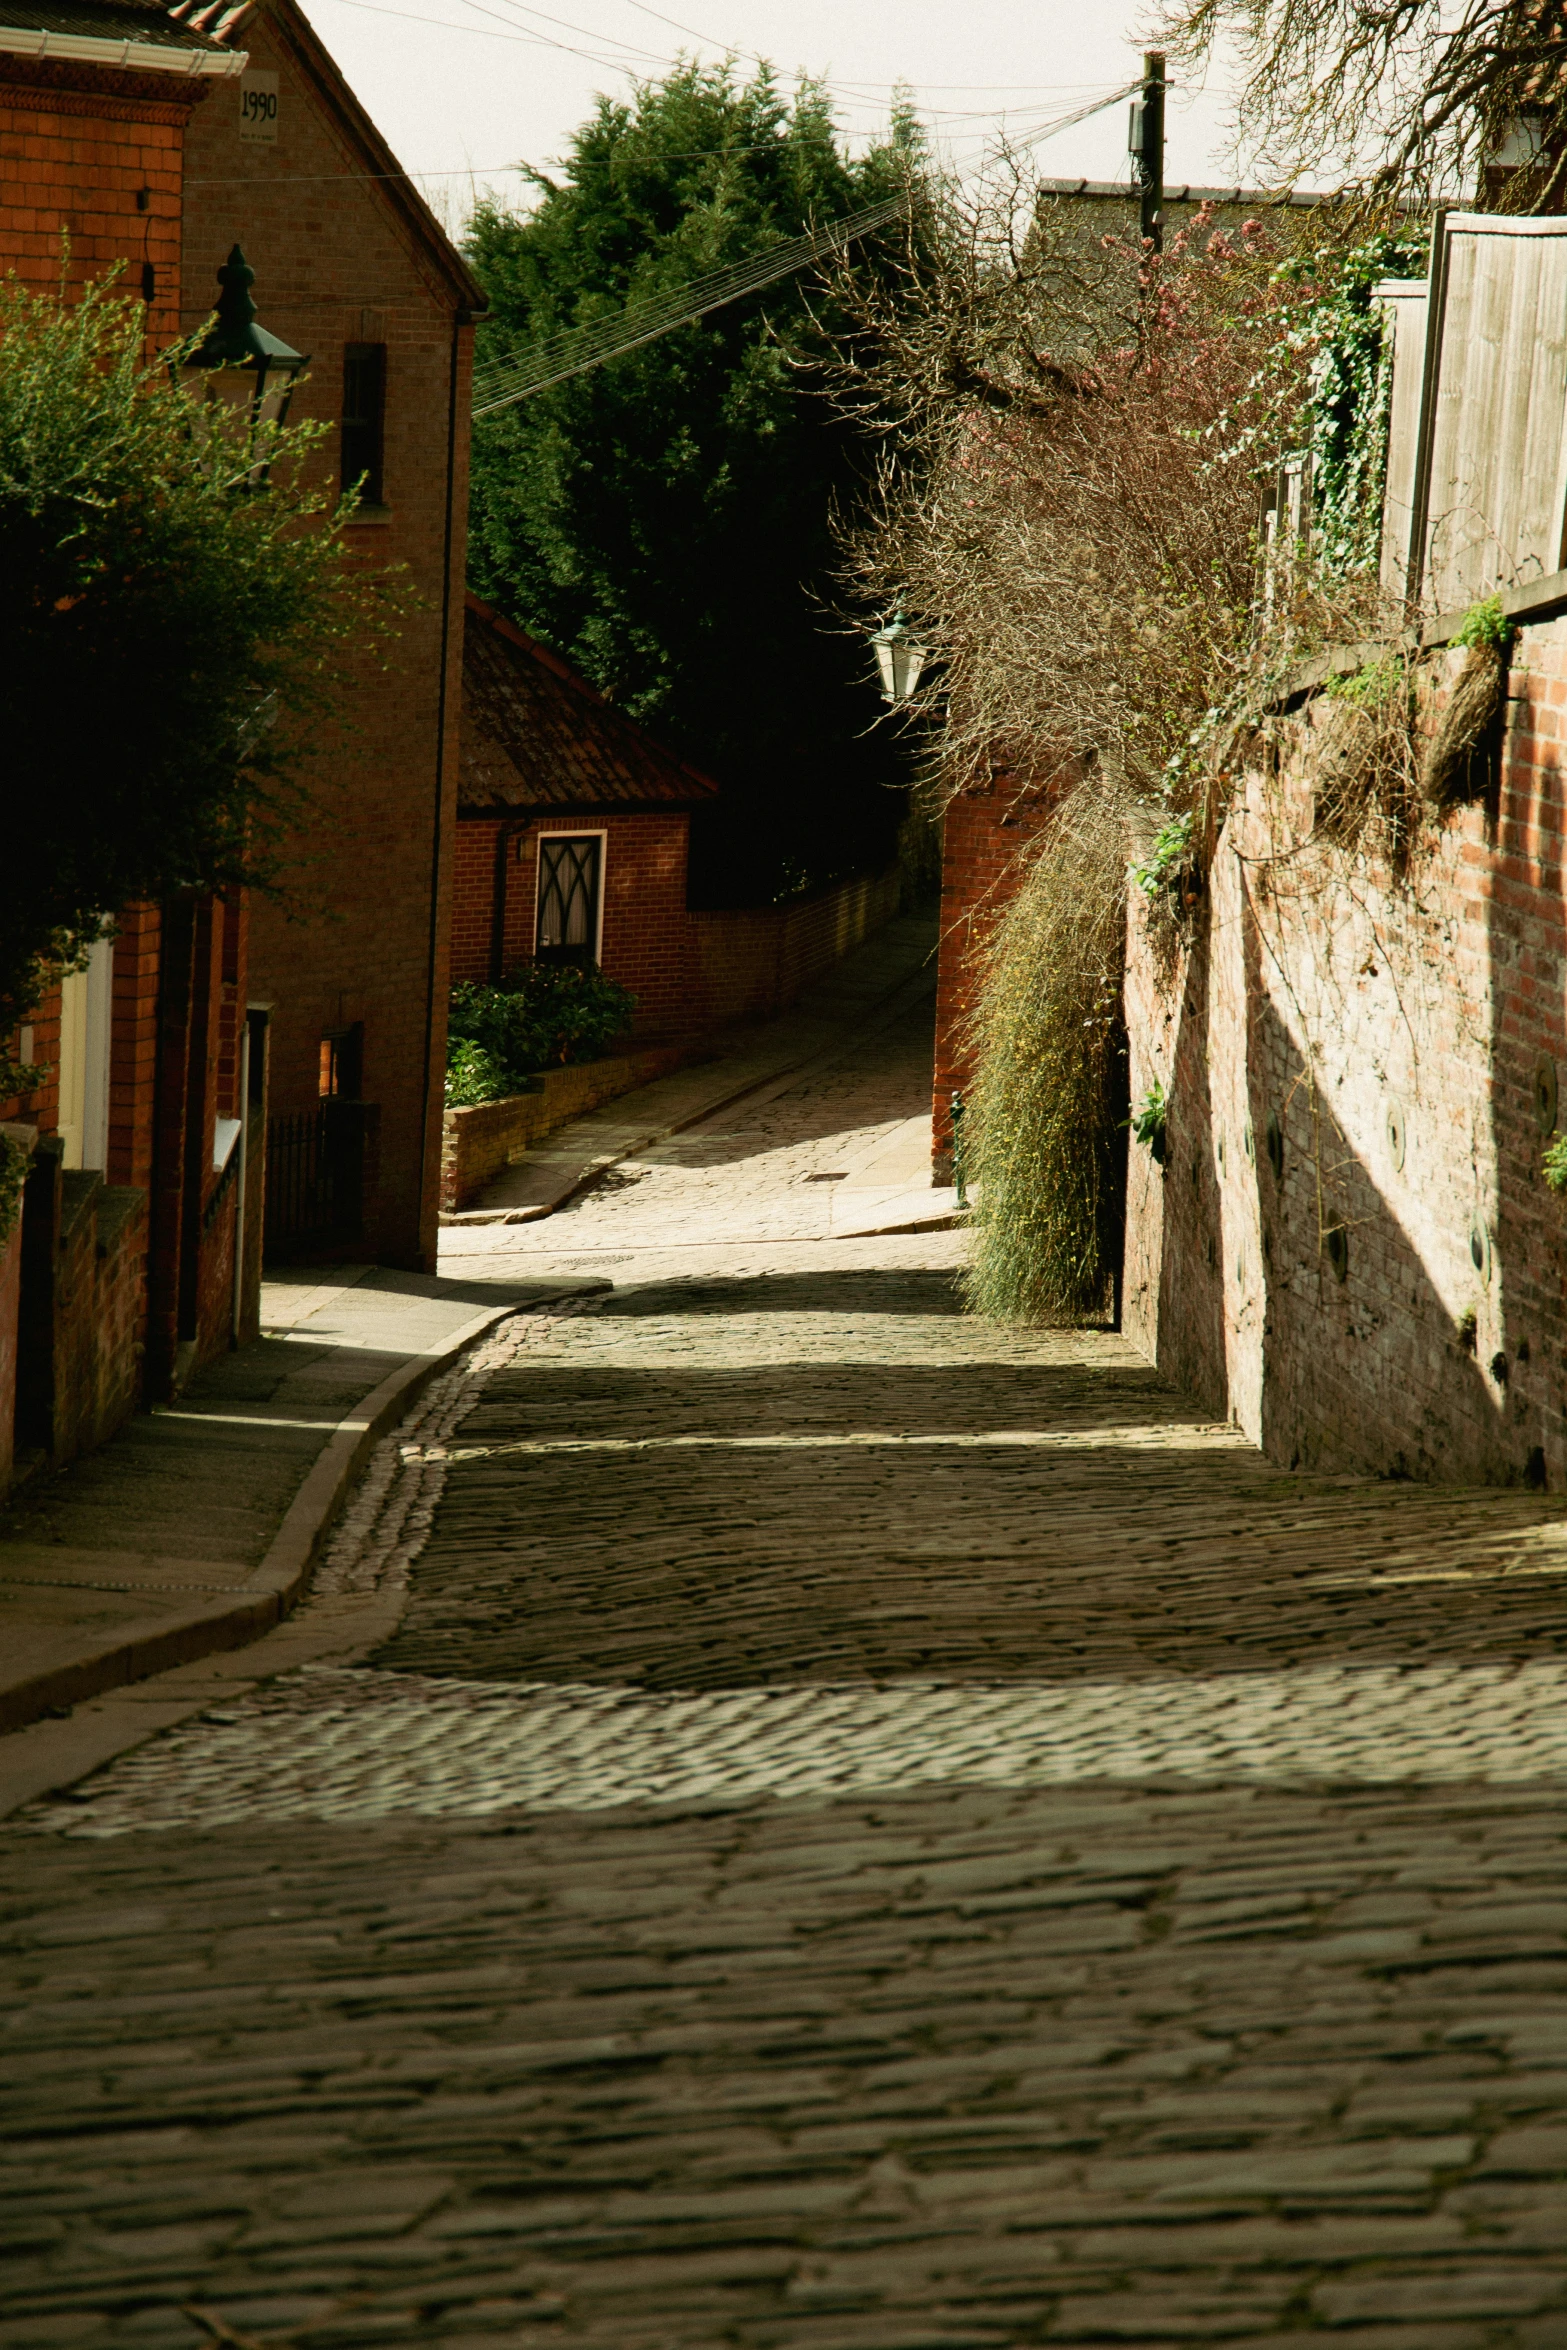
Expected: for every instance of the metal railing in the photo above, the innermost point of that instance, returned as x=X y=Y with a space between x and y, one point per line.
x=315 y=1174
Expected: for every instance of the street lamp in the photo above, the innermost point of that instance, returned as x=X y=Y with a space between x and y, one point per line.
x=239 y=362
x=900 y=657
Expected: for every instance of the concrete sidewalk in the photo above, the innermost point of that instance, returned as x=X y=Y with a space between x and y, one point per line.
x=197 y=1528
x=869 y=989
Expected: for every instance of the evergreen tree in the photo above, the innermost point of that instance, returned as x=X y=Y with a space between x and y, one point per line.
x=664 y=521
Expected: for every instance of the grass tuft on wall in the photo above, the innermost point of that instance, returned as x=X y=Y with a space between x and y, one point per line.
x=1049 y=1105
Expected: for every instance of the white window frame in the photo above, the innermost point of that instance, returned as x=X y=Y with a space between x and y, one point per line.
x=600 y=833
x=83 y=1060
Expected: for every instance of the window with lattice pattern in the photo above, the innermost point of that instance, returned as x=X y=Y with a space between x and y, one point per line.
x=568 y=925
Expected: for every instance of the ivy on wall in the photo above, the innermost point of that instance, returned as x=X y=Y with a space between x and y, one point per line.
x=1350 y=390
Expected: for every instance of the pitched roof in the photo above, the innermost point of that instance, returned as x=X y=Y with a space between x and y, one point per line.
x=145 y=24
x=535 y=735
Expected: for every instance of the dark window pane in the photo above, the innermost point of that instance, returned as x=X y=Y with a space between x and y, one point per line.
x=364 y=411
x=568 y=900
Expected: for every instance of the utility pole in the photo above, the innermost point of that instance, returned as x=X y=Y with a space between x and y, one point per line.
x=1147 y=148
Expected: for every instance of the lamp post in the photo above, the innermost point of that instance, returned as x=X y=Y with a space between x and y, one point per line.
x=900 y=657
x=240 y=362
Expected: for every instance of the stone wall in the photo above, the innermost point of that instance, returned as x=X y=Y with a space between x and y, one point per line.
x=1350 y=1250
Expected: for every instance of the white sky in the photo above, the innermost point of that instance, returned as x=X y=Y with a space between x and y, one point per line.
x=464 y=89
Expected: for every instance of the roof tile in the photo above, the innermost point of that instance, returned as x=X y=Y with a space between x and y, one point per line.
x=535 y=735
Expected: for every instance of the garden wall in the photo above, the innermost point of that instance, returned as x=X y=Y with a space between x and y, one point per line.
x=481 y=1142
x=81 y=1307
x=1350 y=1250
x=689 y=971
x=752 y=961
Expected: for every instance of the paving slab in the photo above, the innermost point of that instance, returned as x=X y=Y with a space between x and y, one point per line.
x=197 y=1528
x=869 y=991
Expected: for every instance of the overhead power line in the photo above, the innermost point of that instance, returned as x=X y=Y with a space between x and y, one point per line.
x=554 y=359
x=557 y=357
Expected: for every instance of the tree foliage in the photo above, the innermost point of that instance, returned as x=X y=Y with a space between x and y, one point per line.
x=1074 y=436
x=166 y=632
x=1405 y=97
x=1075 y=433
x=664 y=521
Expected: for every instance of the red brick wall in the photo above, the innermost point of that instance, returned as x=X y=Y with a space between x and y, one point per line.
x=1385 y=1028
x=473 y=899
x=646 y=941
x=985 y=833
x=753 y=961
x=83 y=1290
x=10 y=1299
x=369 y=890
x=688 y=971
x=133 y=1062
x=40 y=1106
x=78 y=144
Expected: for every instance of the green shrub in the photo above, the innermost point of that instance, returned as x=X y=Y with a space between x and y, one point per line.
x=543 y=1016
x=1171 y=842
x=1486 y=623
x=1148 y=1120
x=474 y=1076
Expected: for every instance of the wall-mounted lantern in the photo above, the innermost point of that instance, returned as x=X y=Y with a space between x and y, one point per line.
x=899 y=657
x=242 y=363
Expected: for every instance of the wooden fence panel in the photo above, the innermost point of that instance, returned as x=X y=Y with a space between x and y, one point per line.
x=1495 y=473
x=1404 y=300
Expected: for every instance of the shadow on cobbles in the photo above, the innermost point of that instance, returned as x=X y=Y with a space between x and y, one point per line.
x=704 y=1562
x=853 y=1291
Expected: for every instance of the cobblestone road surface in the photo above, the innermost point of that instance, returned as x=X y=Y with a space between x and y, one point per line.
x=873 y=1833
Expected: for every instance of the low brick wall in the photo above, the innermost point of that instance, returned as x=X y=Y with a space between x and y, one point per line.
x=1350 y=1250
x=10 y=1301
x=480 y=1143
x=82 y=1308
x=752 y=961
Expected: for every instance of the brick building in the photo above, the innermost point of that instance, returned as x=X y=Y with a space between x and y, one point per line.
x=352 y=269
x=152 y=139
x=574 y=828
x=573 y=835
x=986 y=832
x=137 y=1250
x=96 y=102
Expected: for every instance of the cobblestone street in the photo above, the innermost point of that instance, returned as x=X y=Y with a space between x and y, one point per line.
x=873 y=1831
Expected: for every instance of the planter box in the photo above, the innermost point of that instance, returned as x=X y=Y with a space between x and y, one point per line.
x=480 y=1143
